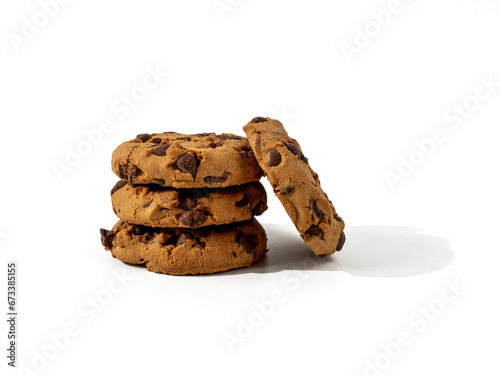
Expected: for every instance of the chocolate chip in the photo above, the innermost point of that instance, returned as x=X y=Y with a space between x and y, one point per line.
x=159 y=181
x=338 y=218
x=161 y=150
x=147 y=205
x=191 y=202
x=225 y=136
x=341 y=243
x=274 y=158
x=169 y=132
x=314 y=231
x=256 y=120
x=144 y=137
x=107 y=237
x=187 y=164
x=204 y=134
x=287 y=189
x=132 y=174
x=219 y=143
x=121 y=171
x=164 y=236
x=139 y=230
x=259 y=209
x=184 y=138
x=247 y=153
x=188 y=203
x=215 y=180
x=118 y=186
x=244 y=201
x=156 y=140
x=183 y=239
x=248 y=243
x=147 y=238
x=294 y=149
x=192 y=219
x=316 y=209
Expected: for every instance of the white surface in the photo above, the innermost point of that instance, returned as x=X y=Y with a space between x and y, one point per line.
x=353 y=121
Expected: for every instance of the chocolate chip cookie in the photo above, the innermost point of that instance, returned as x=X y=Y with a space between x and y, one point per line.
x=296 y=185
x=186 y=161
x=178 y=251
x=157 y=206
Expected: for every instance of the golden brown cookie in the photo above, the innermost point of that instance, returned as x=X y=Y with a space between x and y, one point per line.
x=177 y=251
x=156 y=206
x=186 y=161
x=296 y=185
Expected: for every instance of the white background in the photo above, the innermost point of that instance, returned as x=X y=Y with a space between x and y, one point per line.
x=354 y=119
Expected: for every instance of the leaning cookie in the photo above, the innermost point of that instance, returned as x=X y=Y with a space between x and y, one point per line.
x=156 y=206
x=296 y=185
x=178 y=251
x=186 y=161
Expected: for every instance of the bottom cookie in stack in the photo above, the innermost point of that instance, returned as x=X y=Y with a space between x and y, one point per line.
x=182 y=251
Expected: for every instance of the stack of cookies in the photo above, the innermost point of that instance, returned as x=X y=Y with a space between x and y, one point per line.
x=187 y=203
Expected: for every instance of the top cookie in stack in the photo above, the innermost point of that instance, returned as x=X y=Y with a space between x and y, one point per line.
x=186 y=203
x=186 y=161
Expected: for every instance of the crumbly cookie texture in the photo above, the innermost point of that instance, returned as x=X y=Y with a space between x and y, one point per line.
x=156 y=206
x=296 y=185
x=177 y=251
x=186 y=160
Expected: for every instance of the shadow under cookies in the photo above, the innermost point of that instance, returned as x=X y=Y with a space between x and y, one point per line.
x=370 y=251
